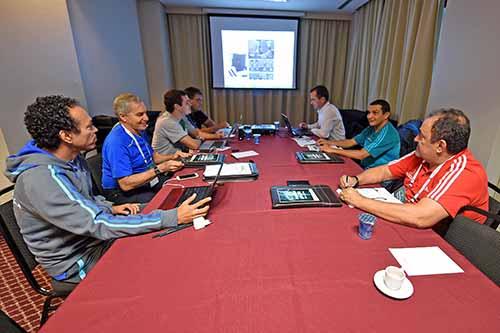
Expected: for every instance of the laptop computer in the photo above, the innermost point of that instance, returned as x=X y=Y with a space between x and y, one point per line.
x=178 y=195
x=209 y=146
x=294 y=131
x=230 y=131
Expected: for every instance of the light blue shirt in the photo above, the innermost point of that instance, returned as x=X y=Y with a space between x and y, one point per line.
x=383 y=146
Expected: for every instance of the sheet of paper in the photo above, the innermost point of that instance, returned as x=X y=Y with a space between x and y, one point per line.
x=378 y=193
x=243 y=154
x=229 y=169
x=304 y=141
x=200 y=222
x=425 y=261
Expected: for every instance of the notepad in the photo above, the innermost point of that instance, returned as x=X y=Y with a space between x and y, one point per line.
x=243 y=154
x=304 y=141
x=425 y=261
x=230 y=169
x=378 y=193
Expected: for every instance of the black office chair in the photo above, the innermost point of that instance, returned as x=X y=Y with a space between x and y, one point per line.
x=477 y=242
x=7 y=325
x=493 y=214
x=26 y=260
x=95 y=166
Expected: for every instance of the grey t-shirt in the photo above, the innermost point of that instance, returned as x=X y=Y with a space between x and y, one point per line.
x=168 y=133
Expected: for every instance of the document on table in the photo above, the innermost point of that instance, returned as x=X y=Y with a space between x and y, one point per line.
x=229 y=169
x=378 y=193
x=425 y=261
x=243 y=154
x=304 y=141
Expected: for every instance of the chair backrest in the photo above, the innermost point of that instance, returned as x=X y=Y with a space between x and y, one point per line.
x=104 y=124
x=153 y=116
x=478 y=243
x=494 y=207
x=14 y=239
x=95 y=166
x=7 y=325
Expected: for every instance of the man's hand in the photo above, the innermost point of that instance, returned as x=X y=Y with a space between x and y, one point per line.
x=323 y=142
x=351 y=197
x=219 y=135
x=327 y=149
x=170 y=166
x=187 y=212
x=222 y=124
x=347 y=181
x=303 y=125
x=179 y=154
x=126 y=209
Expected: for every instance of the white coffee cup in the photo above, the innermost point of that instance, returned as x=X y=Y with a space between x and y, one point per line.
x=394 y=277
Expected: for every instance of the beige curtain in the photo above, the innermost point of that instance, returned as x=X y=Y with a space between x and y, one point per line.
x=391 y=55
x=190 y=52
x=322 y=60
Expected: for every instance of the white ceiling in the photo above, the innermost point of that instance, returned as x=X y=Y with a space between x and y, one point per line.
x=321 y=6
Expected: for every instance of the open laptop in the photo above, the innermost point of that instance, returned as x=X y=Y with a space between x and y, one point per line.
x=294 y=131
x=178 y=195
x=230 y=131
x=209 y=146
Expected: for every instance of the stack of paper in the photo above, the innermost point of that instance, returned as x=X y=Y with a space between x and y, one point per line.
x=229 y=169
x=243 y=154
x=378 y=193
x=304 y=141
x=425 y=261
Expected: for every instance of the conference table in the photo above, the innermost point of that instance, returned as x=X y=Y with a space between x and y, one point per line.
x=258 y=269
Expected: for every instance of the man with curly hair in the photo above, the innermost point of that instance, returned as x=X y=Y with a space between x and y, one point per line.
x=440 y=177
x=63 y=223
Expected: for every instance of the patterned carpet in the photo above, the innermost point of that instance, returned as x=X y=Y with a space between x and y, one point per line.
x=17 y=298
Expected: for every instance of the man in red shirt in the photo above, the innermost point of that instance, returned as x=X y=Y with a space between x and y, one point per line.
x=440 y=177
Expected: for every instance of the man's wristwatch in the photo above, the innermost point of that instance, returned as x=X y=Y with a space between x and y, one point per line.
x=157 y=170
x=357 y=181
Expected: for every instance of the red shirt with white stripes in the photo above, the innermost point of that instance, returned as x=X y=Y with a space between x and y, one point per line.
x=458 y=182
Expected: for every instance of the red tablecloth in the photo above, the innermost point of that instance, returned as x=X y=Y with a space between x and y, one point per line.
x=261 y=270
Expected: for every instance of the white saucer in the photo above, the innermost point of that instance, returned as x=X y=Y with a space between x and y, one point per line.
x=406 y=288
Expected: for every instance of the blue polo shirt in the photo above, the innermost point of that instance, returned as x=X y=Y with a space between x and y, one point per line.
x=383 y=146
x=121 y=156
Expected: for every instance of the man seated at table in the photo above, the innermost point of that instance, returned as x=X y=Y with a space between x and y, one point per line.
x=379 y=142
x=65 y=226
x=129 y=173
x=197 y=117
x=440 y=177
x=173 y=130
x=329 y=125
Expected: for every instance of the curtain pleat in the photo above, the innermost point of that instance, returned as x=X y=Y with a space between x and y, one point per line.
x=391 y=55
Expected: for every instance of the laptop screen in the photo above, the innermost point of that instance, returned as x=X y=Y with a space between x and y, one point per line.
x=287 y=123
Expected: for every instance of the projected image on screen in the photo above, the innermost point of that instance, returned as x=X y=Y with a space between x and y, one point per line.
x=263 y=56
x=249 y=59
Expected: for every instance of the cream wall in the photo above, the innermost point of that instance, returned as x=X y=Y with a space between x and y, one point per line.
x=154 y=34
x=109 y=49
x=37 y=57
x=467 y=74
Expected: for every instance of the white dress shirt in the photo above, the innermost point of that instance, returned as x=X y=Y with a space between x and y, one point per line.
x=329 y=125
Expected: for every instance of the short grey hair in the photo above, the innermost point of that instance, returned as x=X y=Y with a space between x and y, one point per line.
x=121 y=103
x=452 y=126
